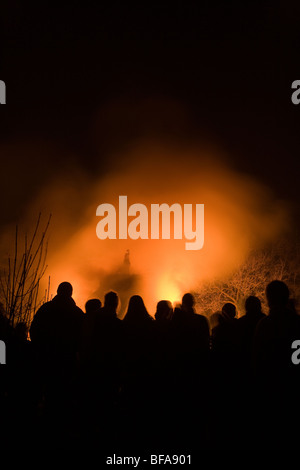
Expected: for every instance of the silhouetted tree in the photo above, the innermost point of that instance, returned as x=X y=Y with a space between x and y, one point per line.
x=250 y=278
x=20 y=280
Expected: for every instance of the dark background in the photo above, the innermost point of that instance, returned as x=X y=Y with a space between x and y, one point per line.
x=68 y=66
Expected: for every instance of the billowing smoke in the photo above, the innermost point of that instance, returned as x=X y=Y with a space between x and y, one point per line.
x=240 y=214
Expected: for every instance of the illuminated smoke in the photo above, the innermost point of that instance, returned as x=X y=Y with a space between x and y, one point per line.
x=240 y=214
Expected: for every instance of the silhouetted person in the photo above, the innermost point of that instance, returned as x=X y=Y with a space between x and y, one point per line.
x=56 y=326
x=101 y=364
x=102 y=332
x=92 y=305
x=214 y=319
x=244 y=404
x=163 y=382
x=56 y=334
x=111 y=302
x=225 y=374
x=246 y=328
x=105 y=328
x=139 y=330
x=191 y=331
x=186 y=317
x=92 y=309
x=163 y=349
x=276 y=332
x=224 y=334
x=139 y=370
x=277 y=377
x=229 y=311
x=164 y=311
x=253 y=310
x=137 y=313
x=189 y=365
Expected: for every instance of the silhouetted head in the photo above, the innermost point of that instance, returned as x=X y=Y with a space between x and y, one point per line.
x=277 y=293
x=164 y=310
x=188 y=301
x=136 y=311
x=111 y=301
x=229 y=310
x=65 y=289
x=252 y=305
x=93 y=305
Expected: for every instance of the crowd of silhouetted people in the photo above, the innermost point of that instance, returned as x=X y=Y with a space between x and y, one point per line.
x=173 y=381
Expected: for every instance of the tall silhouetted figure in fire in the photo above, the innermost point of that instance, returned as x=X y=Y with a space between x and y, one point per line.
x=122 y=280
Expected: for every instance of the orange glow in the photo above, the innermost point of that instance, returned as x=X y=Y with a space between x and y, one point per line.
x=167 y=289
x=240 y=214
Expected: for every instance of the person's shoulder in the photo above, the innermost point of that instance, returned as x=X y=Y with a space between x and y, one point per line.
x=200 y=320
x=42 y=317
x=78 y=311
x=265 y=323
x=44 y=308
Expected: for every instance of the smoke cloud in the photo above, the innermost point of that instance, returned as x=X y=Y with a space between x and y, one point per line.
x=240 y=214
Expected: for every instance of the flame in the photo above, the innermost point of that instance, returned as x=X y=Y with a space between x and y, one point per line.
x=168 y=290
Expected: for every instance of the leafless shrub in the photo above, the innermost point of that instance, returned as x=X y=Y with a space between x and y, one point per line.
x=20 y=279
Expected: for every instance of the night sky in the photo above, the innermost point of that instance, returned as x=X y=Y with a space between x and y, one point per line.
x=87 y=79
